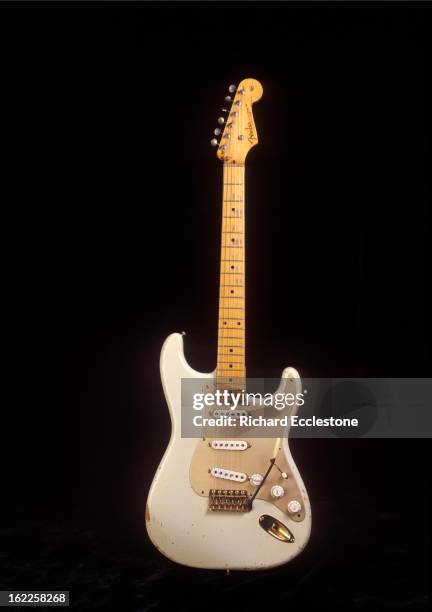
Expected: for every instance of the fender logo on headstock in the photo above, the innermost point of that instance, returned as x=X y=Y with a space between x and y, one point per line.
x=250 y=127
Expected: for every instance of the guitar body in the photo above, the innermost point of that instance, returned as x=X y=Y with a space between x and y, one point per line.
x=228 y=500
x=179 y=521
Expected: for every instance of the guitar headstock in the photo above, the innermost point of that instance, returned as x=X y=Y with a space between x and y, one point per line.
x=238 y=130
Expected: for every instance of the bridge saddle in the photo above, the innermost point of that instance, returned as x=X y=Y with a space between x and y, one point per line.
x=229 y=500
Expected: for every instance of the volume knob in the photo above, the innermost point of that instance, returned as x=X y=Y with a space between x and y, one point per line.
x=294 y=506
x=256 y=480
x=277 y=491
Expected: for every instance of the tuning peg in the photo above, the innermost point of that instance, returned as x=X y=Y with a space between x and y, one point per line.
x=232 y=88
x=224 y=110
x=227 y=98
x=217 y=131
x=214 y=142
x=221 y=120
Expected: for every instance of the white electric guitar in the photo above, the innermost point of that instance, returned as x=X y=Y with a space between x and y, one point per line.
x=236 y=503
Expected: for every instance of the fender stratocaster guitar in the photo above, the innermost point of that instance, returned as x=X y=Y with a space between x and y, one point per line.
x=236 y=503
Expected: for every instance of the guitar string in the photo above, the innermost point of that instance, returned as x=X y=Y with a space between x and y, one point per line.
x=243 y=236
x=243 y=278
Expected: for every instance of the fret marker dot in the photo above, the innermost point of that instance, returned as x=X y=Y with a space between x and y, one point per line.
x=231 y=350
x=232 y=291
x=230 y=365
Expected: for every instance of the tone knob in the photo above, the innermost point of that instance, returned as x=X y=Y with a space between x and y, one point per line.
x=256 y=480
x=213 y=142
x=232 y=88
x=294 y=506
x=277 y=491
x=221 y=120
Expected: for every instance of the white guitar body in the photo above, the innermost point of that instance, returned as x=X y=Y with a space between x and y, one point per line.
x=178 y=520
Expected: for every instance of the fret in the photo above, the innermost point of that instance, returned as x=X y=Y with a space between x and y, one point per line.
x=236 y=343
x=230 y=338
x=235 y=373
x=230 y=383
x=222 y=285
x=231 y=293
x=230 y=377
x=226 y=276
x=225 y=340
x=230 y=363
x=231 y=308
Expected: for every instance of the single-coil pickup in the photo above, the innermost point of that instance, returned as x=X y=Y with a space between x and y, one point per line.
x=228 y=474
x=235 y=445
x=235 y=414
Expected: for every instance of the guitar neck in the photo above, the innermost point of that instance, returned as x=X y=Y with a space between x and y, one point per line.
x=231 y=365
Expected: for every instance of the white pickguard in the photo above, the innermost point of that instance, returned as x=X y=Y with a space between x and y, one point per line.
x=178 y=520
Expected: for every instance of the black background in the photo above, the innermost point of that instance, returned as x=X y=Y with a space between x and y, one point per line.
x=110 y=230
